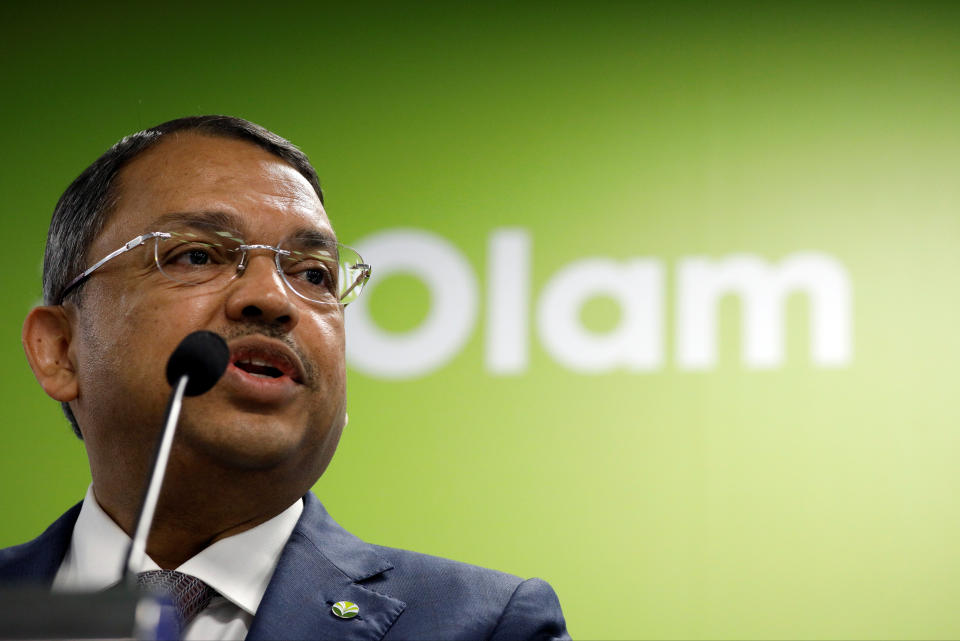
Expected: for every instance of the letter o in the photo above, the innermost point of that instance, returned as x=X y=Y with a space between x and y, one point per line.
x=453 y=305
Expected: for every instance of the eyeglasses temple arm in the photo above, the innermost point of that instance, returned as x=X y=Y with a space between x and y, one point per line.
x=136 y=242
x=363 y=278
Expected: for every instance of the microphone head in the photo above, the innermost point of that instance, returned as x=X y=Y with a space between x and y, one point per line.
x=202 y=356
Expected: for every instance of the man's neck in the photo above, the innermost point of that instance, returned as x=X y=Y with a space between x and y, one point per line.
x=196 y=509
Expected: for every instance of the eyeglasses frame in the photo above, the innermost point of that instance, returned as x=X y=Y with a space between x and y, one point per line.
x=241 y=266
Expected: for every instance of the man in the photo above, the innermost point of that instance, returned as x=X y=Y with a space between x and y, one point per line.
x=215 y=223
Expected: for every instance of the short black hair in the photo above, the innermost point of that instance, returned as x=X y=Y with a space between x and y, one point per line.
x=87 y=203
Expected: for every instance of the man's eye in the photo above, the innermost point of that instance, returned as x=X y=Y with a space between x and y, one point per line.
x=192 y=257
x=198 y=257
x=315 y=276
x=312 y=275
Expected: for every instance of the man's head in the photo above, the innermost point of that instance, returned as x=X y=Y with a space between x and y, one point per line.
x=90 y=199
x=103 y=351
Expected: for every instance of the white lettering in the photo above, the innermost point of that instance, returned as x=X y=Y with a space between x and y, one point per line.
x=508 y=301
x=453 y=306
x=636 y=344
x=764 y=290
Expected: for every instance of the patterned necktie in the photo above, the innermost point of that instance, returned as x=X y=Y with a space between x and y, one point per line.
x=188 y=593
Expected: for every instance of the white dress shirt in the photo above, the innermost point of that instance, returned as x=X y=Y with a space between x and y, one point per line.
x=238 y=567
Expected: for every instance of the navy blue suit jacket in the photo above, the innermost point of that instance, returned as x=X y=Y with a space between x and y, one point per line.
x=401 y=594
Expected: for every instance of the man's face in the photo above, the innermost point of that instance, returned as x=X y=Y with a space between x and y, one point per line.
x=131 y=317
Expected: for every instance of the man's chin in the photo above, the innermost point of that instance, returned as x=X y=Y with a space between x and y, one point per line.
x=254 y=444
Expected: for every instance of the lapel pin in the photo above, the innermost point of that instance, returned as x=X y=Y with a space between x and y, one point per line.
x=345 y=609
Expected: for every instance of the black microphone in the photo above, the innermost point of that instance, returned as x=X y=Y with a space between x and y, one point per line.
x=195 y=366
x=203 y=357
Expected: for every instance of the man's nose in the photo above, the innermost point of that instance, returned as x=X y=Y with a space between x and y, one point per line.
x=258 y=293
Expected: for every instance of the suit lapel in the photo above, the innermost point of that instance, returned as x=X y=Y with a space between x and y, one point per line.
x=322 y=564
x=37 y=561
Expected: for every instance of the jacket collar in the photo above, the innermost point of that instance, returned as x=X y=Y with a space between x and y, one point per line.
x=322 y=564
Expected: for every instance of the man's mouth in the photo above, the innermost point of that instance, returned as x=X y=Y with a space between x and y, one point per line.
x=266 y=363
x=259 y=367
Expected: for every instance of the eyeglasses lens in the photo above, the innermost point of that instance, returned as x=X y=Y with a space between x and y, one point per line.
x=319 y=271
x=198 y=256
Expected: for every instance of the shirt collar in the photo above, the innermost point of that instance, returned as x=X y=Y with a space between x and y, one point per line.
x=239 y=567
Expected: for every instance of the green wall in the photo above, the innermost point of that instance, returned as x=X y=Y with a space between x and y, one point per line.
x=675 y=147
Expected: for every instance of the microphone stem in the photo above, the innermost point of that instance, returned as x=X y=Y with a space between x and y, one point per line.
x=138 y=546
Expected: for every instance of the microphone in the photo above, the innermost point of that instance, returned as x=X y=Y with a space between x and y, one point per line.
x=195 y=366
x=203 y=356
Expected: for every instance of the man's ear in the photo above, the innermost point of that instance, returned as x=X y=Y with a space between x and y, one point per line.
x=46 y=340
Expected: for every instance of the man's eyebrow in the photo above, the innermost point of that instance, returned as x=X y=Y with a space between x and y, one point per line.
x=315 y=237
x=219 y=219
x=226 y=221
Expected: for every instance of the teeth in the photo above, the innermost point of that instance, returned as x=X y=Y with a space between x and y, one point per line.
x=259 y=362
x=253 y=363
x=261 y=366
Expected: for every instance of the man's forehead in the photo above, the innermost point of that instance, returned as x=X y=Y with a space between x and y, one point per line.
x=217 y=180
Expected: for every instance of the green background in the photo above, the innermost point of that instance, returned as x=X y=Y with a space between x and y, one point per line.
x=795 y=502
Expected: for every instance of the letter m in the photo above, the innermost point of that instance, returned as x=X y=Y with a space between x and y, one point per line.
x=763 y=290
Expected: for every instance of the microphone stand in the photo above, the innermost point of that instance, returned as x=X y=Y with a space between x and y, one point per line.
x=138 y=545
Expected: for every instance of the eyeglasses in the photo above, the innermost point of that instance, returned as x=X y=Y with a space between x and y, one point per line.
x=315 y=268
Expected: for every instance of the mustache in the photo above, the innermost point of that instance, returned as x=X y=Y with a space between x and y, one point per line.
x=271 y=331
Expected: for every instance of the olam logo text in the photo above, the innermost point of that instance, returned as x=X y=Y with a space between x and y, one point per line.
x=636 y=344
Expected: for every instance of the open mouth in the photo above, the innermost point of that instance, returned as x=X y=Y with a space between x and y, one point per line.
x=265 y=363
x=259 y=368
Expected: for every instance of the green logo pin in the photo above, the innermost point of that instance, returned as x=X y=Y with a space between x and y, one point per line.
x=346 y=609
